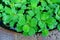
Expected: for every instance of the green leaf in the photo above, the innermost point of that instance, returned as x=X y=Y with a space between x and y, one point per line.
x=56 y=10
x=41 y=8
x=50 y=12
x=52 y=6
x=57 y=17
x=31 y=32
x=23 y=7
x=18 y=5
x=37 y=16
x=15 y=1
x=7 y=10
x=35 y=28
x=28 y=18
x=12 y=24
x=37 y=10
x=19 y=28
x=42 y=24
x=31 y=13
x=14 y=18
x=5 y=18
x=34 y=3
x=21 y=19
x=47 y=8
x=33 y=22
x=26 y=28
x=58 y=13
x=51 y=26
x=43 y=4
x=58 y=27
x=51 y=23
x=14 y=11
x=40 y=30
x=6 y=1
x=45 y=16
x=10 y=11
x=0 y=15
x=45 y=32
x=1 y=7
x=20 y=12
x=55 y=1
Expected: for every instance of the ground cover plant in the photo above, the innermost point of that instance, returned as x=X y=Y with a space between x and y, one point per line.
x=31 y=16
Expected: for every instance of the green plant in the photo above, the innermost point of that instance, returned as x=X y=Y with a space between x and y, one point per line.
x=30 y=17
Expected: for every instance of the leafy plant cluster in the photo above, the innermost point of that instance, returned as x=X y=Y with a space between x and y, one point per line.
x=31 y=16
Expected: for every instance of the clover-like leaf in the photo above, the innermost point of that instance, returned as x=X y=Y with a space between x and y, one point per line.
x=23 y=7
x=45 y=16
x=20 y=12
x=7 y=10
x=26 y=28
x=33 y=22
x=18 y=5
x=31 y=32
x=1 y=7
x=6 y=1
x=31 y=13
x=58 y=27
x=28 y=18
x=45 y=32
x=6 y=18
x=12 y=24
x=55 y=1
x=43 y=4
x=57 y=17
x=51 y=23
x=22 y=20
x=38 y=16
x=58 y=13
x=42 y=24
x=19 y=28
x=15 y=1
x=37 y=10
x=34 y=3
x=56 y=10
x=0 y=15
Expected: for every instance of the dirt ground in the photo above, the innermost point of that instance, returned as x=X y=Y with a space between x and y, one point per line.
x=9 y=35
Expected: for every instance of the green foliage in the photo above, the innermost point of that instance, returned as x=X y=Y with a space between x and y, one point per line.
x=1 y=7
x=42 y=24
x=34 y=3
x=31 y=16
x=45 y=16
x=26 y=28
x=31 y=32
x=6 y=1
x=45 y=32
x=19 y=28
x=51 y=23
x=0 y=15
x=30 y=13
x=33 y=22
x=58 y=27
x=55 y=1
